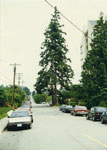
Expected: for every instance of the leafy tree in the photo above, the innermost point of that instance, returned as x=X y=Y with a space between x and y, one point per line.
x=75 y=94
x=39 y=98
x=94 y=74
x=3 y=97
x=27 y=91
x=33 y=93
x=56 y=71
x=19 y=95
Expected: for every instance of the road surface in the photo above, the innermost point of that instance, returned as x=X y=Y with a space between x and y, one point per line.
x=54 y=130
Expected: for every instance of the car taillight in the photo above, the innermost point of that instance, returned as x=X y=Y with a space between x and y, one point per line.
x=79 y=110
x=76 y=110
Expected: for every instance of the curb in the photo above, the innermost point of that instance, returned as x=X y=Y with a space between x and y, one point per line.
x=4 y=121
x=3 y=124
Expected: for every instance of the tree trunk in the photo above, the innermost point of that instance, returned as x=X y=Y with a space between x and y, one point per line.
x=55 y=94
x=53 y=101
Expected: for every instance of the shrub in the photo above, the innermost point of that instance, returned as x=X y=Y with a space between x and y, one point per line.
x=3 y=111
x=39 y=98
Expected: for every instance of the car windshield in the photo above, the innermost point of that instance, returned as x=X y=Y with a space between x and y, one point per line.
x=100 y=109
x=69 y=106
x=19 y=114
x=81 y=107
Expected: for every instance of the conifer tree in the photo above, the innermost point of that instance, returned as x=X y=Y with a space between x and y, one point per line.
x=56 y=70
x=94 y=74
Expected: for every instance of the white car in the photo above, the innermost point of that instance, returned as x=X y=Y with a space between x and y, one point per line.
x=27 y=108
x=19 y=119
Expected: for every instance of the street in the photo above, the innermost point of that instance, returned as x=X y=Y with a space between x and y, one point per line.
x=54 y=130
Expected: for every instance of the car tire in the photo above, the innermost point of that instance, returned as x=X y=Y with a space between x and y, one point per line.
x=93 y=118
x=102 y=121
x=30 y=126
x=32 y=120
x=87 y=117
x=8 y=128
x=75 y=114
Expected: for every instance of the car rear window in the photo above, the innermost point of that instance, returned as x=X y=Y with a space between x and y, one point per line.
x=81 y=107
x=20 y=114
x=101 y=109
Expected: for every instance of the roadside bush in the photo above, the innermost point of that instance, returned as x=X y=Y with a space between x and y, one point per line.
x=49 y=98
x=3 y=111
x=39 y=98
x=3 y=96
x=103 y=103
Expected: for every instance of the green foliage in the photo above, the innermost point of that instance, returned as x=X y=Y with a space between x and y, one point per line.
x=6 y=96
x=66 y=94
x=3 y=111
x=27 y=91
x=74 y=94
x=33 y=93
x=19 y=95
x=54 y=63
x=3 y=97
x=94 y=74
x=103 y=103
x=39 y=98
x=48 y=99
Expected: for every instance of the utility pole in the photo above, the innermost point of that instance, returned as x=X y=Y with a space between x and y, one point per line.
x=19 y=77
x=22 y=83
x=12 y=101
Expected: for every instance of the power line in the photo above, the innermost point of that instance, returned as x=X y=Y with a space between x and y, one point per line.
x=19 y=78
x=67 y=19
x=4 y=82
x=6 y=77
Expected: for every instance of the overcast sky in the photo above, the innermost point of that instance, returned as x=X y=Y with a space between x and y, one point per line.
x=22 y=24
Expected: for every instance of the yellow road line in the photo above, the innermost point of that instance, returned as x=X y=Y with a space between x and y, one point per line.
x=95 y=140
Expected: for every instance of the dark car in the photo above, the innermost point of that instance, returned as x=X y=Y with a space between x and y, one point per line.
x=79 y=110
x=104 y=117
x=67 y=109
x=95 y=113
x=61 y=107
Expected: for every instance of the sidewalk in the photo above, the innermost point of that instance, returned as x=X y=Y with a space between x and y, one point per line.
x=3 y=124
x=4 y=121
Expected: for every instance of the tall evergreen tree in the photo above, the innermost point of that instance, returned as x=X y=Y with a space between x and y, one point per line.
x=94 y=74
x=56 y=70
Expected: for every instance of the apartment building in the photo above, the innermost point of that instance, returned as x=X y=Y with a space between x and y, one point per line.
x=85 y=44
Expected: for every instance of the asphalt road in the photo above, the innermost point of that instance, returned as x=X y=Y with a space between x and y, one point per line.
x=54 y=130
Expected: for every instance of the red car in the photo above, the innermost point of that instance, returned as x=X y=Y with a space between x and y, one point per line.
x=79 y=110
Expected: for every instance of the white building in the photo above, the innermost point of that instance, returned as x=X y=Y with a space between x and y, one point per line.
x=86 y=40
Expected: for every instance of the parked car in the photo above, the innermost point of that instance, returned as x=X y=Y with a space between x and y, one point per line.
x=67 y=109
x=28 y=103
x=19 y=119
x=104 y=117
x=27 y=108
x=61 y=107
x=79 y=110
x=95 y=113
